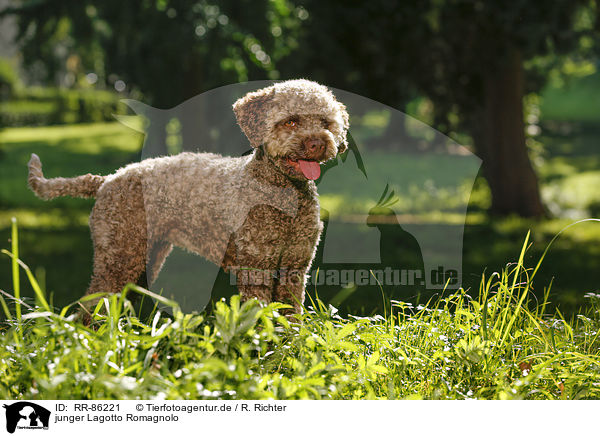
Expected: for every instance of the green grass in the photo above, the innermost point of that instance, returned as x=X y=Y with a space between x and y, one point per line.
x=506 y=344
x=569 y=169
x=572 y=100
x=97 y=148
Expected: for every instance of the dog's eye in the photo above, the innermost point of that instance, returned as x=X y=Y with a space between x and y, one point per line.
x=325 y=122
x=291 y=123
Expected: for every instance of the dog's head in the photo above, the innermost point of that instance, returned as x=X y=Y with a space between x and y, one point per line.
x=299 y=123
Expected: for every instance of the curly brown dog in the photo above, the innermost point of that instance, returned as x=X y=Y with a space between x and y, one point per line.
x=256 y=215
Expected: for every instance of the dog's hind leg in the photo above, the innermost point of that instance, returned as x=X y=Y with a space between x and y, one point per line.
x=118 y=227
x=118 y=262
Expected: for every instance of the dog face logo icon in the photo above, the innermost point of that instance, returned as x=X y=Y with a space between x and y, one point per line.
x=26 y=415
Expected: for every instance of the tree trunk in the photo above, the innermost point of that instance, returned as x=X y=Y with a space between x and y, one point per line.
x=500 y=141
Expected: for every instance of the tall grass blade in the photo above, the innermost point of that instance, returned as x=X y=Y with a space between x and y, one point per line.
x=41 y=298
x=537 y=267
x=5 y=308
x=14 y=246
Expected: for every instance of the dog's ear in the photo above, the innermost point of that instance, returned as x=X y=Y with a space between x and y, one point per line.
x=343 y=141
x=250 y=112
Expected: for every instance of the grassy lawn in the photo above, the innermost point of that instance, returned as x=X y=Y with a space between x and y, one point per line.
x=572 y=100
x=505 y=344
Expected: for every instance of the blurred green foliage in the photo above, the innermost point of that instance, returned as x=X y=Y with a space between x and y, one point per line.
x=443 y=50
x=572 y=99
x=169 y=50
x=9 y=80
x=46 y=106
x=466 y=57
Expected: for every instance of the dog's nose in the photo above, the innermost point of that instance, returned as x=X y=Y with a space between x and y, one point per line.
x=314 y=145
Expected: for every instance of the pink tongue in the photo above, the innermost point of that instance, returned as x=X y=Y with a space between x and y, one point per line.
x=310 y=169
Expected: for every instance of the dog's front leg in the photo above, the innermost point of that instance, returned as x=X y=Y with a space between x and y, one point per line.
x=254 y=282
x=255 y=255
x=294 y=268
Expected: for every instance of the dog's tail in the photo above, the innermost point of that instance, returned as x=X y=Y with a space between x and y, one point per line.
x=83 y=186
